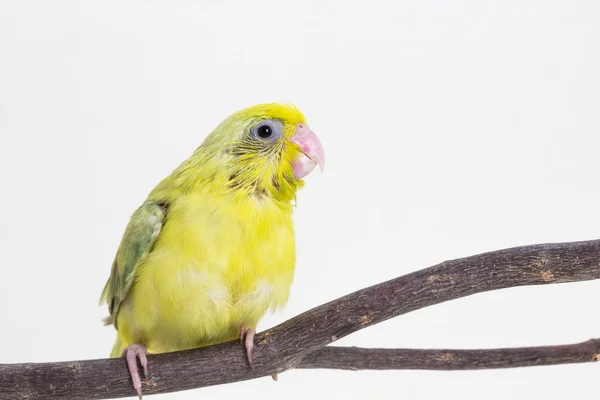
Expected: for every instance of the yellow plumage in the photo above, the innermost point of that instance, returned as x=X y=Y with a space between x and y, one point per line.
x=218 y=264
x=212 y=248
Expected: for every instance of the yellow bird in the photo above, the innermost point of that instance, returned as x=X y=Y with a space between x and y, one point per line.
x=212 y=247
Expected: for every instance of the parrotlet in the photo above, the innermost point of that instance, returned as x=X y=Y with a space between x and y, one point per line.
x=211 y=250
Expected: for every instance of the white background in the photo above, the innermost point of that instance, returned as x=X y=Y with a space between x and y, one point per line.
x=450 y=127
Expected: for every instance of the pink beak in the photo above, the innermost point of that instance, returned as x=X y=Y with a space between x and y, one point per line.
x=312 y=152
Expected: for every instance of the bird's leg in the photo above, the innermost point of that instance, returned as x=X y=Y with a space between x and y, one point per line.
x=131 y=354
x=247 y=339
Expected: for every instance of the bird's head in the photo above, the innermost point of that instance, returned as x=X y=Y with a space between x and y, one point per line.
x=266 y=149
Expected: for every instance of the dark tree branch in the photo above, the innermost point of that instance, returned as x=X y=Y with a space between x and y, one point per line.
x=355 y=358
x=287 y=345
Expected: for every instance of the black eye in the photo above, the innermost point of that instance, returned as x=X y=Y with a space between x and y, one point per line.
x=267 y=130
x=264 y=131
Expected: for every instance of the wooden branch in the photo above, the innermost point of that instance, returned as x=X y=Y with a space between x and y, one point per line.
x=355 y=358
x=286 y=345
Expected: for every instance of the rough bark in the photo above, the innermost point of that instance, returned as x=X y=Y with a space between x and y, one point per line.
x=355 y=358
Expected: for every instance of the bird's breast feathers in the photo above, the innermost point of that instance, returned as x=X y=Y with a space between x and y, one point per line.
x=219 y=263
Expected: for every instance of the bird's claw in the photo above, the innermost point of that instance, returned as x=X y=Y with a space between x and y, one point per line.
x=131 y=354
x=247 y=339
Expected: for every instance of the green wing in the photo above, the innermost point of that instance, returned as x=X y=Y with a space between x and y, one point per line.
x=139 y=237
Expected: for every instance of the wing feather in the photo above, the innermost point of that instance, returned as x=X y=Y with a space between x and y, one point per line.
x=140 y=235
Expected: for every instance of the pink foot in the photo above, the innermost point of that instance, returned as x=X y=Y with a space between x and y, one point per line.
x=247 y=339
x=131 y=354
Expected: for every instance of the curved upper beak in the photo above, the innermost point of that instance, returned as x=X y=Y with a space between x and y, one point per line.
x=312 y=152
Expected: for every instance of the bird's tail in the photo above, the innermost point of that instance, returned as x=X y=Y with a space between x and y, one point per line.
x=117 y=349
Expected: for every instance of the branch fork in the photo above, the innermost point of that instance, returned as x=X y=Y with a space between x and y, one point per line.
x=302 y=342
